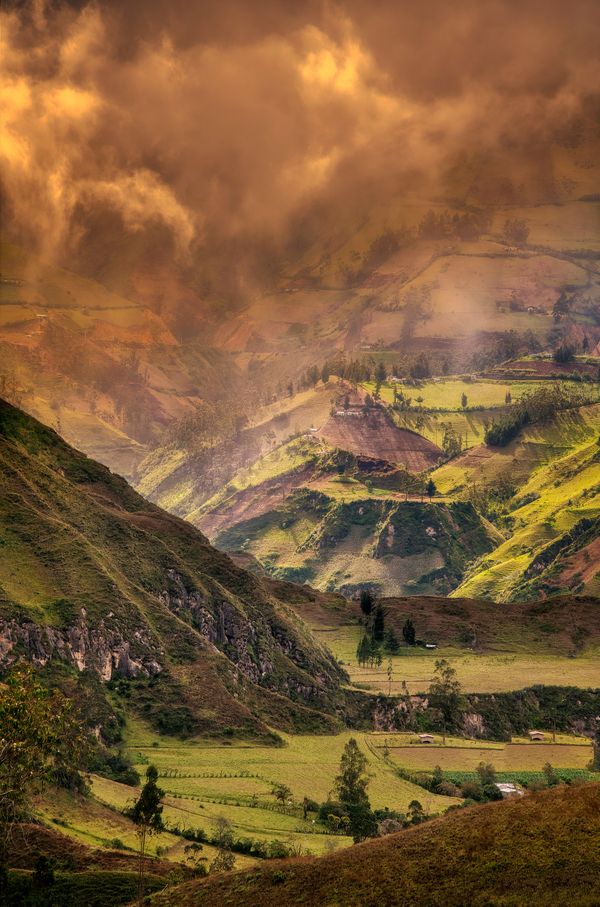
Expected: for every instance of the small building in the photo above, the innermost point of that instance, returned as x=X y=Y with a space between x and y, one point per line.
x=508 y=790
x=536 y=735
x=430 y=645
x=426 y=738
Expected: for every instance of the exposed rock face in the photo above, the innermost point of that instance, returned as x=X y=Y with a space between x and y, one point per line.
x=251 y=645
x=100 y=649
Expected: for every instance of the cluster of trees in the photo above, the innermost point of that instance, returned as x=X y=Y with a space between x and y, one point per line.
x=380 y=249
x=507 y=345
x=41 y=742
x=564 y=353
x=480 y=789
x=208 y=424
x=539 y=406
x=491 y=498
x=377 y=639
x=445 y=225
x=351 y=813
x=515 y=231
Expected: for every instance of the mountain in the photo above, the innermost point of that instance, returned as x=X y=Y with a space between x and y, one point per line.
x=107 y=371
x=99 y=586
x=121 y=366
x=551 y=473
x=542 y=847
x=345 y=504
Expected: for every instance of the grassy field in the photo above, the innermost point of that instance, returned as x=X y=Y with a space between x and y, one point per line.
x=204 y=781
x=488 y=673
x=446 y=393
x=98 y=822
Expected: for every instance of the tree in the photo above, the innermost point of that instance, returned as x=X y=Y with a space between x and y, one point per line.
x=325 y=373
x=594 y=765
x=391 y=642
x=408 y=632
x=146 y=814
x=451 y=442
x=363 y=651
x=516 y=231
x=380 y=377
x=487 y=774
x=367 y=601
x=564 y=354
x=351 y=787
x=464 y=400
x=431 y=489
x=552 y=778
x=223 y=840
x=508 y=398
x=194 y=858
x=416 y=813
x=374 y=653
x=379 y=623
x=282 y=793
x=445 y=695
x=41 y=740
x=420 y=368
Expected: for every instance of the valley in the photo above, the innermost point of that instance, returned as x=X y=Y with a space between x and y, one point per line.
x=299 y=454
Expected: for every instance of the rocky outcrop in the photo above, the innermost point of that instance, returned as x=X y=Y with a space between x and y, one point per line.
x=101 y=649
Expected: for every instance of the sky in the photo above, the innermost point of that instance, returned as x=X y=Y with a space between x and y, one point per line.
x=251 y=126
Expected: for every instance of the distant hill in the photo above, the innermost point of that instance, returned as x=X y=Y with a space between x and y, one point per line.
x=543 y=848
x=551 y=522
x=310 y=513
x=97 y=582
x=370 y=432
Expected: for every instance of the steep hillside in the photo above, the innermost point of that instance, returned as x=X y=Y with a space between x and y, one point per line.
x=544 y=847
x=372 y=433
x=336 y=544
x=106 y=371
x=551 y=517
x=96 y=580
x=183 y=474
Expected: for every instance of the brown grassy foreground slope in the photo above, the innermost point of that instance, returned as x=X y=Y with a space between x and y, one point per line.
x=543 y=849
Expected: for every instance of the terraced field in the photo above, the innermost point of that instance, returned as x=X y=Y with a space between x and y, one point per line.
x=204 y=783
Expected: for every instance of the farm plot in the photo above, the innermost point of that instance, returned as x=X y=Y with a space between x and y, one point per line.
x=512 y=757
x=486 y=673
x=203 y=782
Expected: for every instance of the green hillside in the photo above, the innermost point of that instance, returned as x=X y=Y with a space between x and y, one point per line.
x=551 y=517
x=94 y=578
x=544 y=847
x=343 y=505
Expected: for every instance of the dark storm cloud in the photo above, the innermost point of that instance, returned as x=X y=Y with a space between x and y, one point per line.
x=229 y=120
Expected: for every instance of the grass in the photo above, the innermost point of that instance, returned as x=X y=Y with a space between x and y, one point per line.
x=98 y=821
x=486 y=673
x=512 y=757
x=543 y=848
x=446 y=393
x=555 y=498
x=307 y=764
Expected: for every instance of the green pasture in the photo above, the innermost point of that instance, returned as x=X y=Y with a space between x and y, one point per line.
x=510 y=757
x=446 y=393
x=486 y=673
x=237 y=781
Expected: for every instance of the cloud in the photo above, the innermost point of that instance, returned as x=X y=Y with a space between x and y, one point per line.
x=227 y=122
